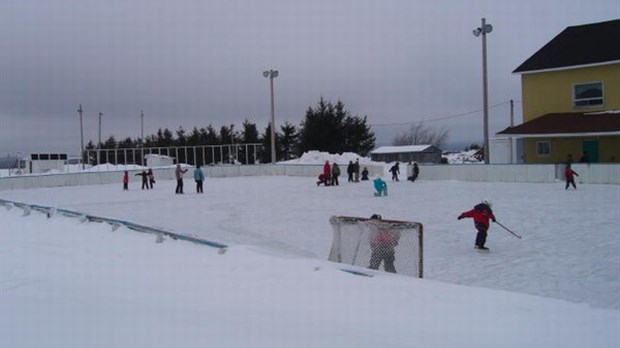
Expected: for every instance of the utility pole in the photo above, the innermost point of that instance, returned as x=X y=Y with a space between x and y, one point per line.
x=483 y=30
x=271 y=74
x=81 y=136
x=99 y=145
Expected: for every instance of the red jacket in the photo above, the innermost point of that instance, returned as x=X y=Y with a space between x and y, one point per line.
x=569 y=174
x=125 y=178
x=481 y=216
x=327 y=169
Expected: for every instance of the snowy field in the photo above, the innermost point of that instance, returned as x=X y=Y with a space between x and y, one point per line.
x=273 y=288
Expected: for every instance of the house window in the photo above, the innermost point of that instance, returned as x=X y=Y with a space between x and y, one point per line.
x=543 y=148
x=588 y=94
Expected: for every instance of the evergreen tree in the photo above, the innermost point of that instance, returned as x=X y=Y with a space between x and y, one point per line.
x=181 y=139
x=330 y=128
x=211 y=136
x=250 y=132
x=264 y=154
x=288 y=141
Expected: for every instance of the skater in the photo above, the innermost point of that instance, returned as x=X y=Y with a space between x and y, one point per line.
x=322 y=180
x=380 y=187
x=415 y=172
x=395 y=170
x=151 y=178
x=481 y=214
x=365 y=174
x=350 y=170
x=178 y=173
x=335 y=174
x=126 y=181
x=569 y=174
x=199 y=177
x=382 y=244
x=327 y=173
x=356 y=170
x=145 y=179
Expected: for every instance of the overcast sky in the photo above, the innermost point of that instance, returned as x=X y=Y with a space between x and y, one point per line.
x=195 y=63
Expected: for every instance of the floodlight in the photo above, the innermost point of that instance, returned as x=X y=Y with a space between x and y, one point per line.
x=488 y=28
x=266 y=73
x=477 y=32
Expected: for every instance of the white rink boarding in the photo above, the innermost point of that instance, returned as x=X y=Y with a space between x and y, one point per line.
x=532 y=173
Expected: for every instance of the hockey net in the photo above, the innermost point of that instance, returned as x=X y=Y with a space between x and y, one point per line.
x=389 y=245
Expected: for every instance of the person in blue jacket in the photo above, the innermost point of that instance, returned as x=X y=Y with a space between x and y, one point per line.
x=380 y=187
x=199 y=177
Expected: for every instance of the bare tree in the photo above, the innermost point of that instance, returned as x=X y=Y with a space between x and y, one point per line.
x=419 y=134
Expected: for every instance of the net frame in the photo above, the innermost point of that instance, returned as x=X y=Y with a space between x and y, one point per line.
x=337 y=222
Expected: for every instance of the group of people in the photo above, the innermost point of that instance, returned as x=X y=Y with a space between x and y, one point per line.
x=148 y=179
x=331 y=173
x=199 y=178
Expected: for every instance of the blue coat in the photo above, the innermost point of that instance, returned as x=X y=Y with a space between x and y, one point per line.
x=199 y=175
x=380 y=185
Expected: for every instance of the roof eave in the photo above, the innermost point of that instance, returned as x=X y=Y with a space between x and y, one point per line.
x=557 y=135
x=562 y=68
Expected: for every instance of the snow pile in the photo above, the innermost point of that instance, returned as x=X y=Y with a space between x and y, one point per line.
x=318 y=157
x=464 y=157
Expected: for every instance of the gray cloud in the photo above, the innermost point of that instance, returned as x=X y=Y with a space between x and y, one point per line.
x=194 y=63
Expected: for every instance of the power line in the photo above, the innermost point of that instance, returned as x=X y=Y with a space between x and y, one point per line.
x=463 y=114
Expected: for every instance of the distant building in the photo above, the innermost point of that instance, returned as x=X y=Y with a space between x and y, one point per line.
x=46 y=162
x=408 y=153
x=571 y=99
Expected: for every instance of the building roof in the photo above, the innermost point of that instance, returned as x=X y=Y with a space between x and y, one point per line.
x=402 y=149
x=573 y=124
x=582 y=45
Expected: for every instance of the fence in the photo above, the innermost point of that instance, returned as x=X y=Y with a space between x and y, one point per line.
x=194 y=155
x=535 y=173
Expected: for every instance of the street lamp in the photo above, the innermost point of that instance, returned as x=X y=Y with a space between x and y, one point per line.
x=141 y=126
x=483 y=30
x=81 y=136
x=99 y=145
x=271 y=74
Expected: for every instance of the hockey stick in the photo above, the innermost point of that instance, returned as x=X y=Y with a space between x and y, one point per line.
x=506 y=228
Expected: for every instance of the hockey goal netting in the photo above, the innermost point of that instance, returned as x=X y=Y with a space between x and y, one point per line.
x=389 y=245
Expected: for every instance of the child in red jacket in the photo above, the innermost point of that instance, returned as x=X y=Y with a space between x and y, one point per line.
x=481 y=214
x=126 y=181
x=570 y=177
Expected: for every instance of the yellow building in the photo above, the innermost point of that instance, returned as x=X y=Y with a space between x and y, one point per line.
x=571 y=97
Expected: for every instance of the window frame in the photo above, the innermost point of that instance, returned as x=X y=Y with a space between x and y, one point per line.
x=588 y=100
x=540 y=153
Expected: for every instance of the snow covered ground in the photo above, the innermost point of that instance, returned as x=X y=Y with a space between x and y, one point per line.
x=79 y=284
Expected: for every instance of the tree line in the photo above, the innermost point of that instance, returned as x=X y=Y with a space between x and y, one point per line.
x=327 y=127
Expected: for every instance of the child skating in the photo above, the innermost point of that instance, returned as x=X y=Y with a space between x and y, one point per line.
x=481 y=214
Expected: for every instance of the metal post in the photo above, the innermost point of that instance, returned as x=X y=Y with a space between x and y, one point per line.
x=141 y=138
x=99 y=145
x=271 y=74
x=81 y=137
x=484 y=30
x=485 y=92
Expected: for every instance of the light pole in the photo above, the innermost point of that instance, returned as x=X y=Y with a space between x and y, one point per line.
x=81 y=136
x=99 y=145
x=141 y=126
x=483 y=30
x=141 y=137
x=271 y=74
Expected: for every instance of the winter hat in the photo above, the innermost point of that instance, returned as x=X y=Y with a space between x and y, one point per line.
x=488 y=203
